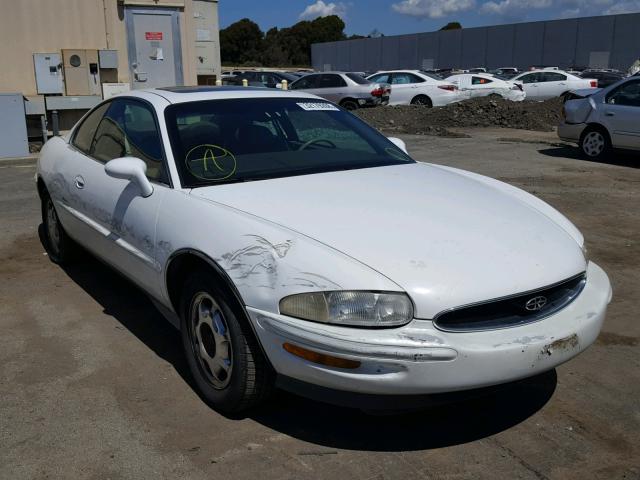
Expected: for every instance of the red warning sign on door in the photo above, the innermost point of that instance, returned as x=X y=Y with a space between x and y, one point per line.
x=153 y=35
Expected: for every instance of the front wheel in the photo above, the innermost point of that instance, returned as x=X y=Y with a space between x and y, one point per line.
x=223 y=355
x=595 y=143
x=60 y=247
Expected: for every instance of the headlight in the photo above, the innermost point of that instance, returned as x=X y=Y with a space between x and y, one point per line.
x=353 y=308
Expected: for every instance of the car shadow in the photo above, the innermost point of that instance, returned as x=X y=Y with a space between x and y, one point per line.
x=432 y=427
x=618 y=157
x=314 y=422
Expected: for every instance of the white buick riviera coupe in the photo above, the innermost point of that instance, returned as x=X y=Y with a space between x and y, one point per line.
x=294 y=245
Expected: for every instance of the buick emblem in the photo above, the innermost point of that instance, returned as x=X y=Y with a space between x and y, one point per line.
x=536 y=303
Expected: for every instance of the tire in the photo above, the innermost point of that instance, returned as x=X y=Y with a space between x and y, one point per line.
x=595 y=143
x=349 y=105
x=422 y=100
x=60 y=248
x=224 y=357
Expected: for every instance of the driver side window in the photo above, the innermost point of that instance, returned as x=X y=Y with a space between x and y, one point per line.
x=128 y=129
x=627 y=95
x=530 y=78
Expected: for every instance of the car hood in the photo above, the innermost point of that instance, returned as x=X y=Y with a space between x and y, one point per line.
x=443 y=237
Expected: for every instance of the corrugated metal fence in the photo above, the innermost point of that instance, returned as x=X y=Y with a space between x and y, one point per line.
x=611 y=41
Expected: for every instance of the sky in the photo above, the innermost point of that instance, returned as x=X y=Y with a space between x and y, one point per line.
x=394 y=17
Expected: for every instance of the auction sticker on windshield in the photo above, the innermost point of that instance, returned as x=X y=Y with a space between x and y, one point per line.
x=318 y=106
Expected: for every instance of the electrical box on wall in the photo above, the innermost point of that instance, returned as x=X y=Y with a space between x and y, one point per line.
x=81 y=72
x=108 y=58
x=48 y=70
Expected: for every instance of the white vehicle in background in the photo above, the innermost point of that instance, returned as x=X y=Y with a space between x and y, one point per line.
x=550 y=83
x=610 y=118
x=484 y=85
x=413 y=87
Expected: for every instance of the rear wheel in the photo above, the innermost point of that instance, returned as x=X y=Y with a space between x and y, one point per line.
x=349 y=104
x=595 y=143
x=222 y=352
x=422 y=100
x=60 y=248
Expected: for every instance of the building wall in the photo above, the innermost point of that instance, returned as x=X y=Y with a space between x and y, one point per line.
x=48 y=26
x=207 y=41
x=562 y=43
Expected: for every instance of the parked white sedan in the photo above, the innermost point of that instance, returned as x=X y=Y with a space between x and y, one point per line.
x=550 y=83
x=607 y=119
x=413 y=87
x=483 y=85
x=291 y=242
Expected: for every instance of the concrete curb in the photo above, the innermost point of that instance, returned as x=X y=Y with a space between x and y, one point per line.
x=18 y=161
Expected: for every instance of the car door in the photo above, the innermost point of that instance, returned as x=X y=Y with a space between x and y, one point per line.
x=481 y=86
x=531 y=84
x=403 y=88
x=622 y=115
x=308 y=83
x=553 y=84
x=332 y=87
x=118 y=223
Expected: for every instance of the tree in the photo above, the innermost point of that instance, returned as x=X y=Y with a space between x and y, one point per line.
x=452 y=26
x=244 y=43
x=241 y=42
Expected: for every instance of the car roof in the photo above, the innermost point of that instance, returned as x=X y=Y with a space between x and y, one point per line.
x=225 y=92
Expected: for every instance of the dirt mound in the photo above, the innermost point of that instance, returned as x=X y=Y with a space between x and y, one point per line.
x=478 y=112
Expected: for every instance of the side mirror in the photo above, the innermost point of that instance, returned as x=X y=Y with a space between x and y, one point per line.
x=132 y=169
x=398 y=143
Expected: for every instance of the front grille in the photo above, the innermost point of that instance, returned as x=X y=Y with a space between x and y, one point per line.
x=512 y=311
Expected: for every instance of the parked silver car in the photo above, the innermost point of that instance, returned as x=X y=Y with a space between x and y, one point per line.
x=607 y=119
x=349 y=90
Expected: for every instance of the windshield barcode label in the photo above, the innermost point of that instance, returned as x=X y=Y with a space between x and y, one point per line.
x=318 y=106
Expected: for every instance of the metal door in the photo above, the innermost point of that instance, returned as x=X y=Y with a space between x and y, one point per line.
x=155 y=54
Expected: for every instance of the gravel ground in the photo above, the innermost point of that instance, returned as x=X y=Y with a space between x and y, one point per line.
x=94 y=384
x=478 y=112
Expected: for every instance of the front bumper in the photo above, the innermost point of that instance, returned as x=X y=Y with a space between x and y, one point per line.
x=419 y=359
x=571 y=132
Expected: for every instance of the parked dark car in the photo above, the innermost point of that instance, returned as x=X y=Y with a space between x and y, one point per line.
x=269 y=79
x=604 y=78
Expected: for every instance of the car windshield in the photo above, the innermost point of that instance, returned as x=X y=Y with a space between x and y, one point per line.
x=240 y=140
x=289 y=77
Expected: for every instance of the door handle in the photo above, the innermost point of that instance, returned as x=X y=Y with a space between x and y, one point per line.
x=610 y=114
x=79 y=181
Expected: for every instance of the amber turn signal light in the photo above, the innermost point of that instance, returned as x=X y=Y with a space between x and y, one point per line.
x=320 y=358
